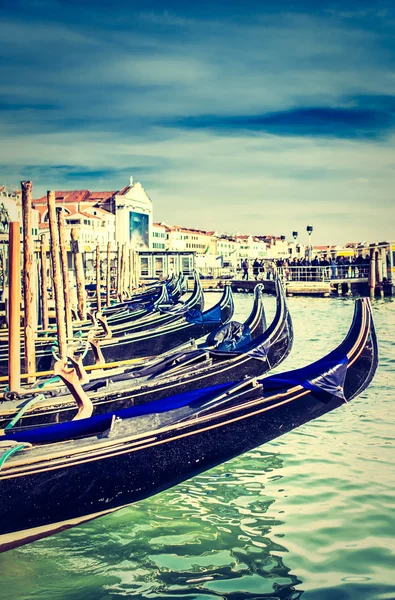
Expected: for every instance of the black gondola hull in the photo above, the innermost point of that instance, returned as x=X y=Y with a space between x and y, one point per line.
x=63 y=494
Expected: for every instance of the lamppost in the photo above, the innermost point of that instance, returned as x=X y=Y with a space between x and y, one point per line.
x=295 y=235
x=309 y=230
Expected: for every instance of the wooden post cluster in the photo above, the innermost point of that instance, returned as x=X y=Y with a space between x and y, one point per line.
x=30 y=313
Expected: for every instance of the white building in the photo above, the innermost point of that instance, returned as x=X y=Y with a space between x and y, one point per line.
x=251 y=247
x=160 y=236
x=11 y=210
x=133 y=216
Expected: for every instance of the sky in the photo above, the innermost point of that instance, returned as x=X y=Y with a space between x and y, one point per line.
x=237 y=117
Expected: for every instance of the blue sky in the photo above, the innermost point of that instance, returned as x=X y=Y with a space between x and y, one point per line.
x=254 y=117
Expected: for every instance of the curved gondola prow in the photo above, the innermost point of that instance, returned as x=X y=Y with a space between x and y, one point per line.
x=363 y=358
x=183 y=284
x=275 y=343
x=196 y=300
x=256 y=322
x=162 y=299
x=175 y=293
x=281 y=310
x=221 y=312
x=346 y=371
x=226 y=304
x=171 y=283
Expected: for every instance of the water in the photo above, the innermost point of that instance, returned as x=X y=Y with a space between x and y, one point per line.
x=308 y=516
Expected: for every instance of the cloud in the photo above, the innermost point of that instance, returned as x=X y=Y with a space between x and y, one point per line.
x=257 y=122
x=313 y=121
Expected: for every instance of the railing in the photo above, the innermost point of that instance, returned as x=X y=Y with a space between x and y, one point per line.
x=323 y=273
x=292 y=273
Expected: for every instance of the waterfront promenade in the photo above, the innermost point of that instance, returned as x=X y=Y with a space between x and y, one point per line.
x=306 y=280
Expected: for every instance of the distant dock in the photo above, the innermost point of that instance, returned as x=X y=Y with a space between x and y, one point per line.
x=335 y=287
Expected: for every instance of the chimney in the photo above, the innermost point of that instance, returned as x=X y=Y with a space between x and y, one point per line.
x=131 y=180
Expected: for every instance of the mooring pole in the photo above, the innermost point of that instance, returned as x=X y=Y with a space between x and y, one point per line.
x=30 y=313
x=123 y=280
x=79 y=274
x=120 y=272
x=14 y=307
x=127 y=271
x=65 y=272
x=136 y=264
x=3 y=267
x=131 y=270
x=98 y=278
x=108 y=275
x=372 y=271
x=118 y=286
x=44 y=284
x=57 y=275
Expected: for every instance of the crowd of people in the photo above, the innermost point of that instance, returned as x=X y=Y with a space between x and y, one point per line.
x=340 y=267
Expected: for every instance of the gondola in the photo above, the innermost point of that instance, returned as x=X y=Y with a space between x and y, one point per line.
x=248 y=349
x=118 y=317
x=163 y=313
x=192 y=325
x=78 y=471
x=149 y=295
x=160 y=313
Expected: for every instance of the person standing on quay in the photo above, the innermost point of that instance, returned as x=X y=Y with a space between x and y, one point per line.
x=244 y=266
x=255 y=269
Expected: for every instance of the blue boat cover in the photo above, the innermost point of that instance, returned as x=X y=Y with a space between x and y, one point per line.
x=326 y=375
x=260 y=347
x=213 y=315
x=229 y=337
x=100 y=423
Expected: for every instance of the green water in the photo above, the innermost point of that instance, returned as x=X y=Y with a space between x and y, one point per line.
x=311 y=515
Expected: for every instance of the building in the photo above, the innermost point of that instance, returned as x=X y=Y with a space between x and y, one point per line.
x=11 y=210
x=118 y=216
x=160 y=236
x=133 y=212
x=251 y=247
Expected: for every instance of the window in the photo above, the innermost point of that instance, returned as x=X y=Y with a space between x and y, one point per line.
x=185 y=265
x=144 y=266
x=158 y=265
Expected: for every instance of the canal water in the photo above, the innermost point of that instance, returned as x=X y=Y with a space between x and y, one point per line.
x=310 y=515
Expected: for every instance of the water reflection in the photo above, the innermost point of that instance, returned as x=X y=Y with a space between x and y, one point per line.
x=214 y=536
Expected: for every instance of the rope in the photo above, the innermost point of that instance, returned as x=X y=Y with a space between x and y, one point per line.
x=24 y=408
x=40 y=384
x=8 y=453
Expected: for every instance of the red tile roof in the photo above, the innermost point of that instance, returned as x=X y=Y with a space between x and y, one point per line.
x=66 y=196
x=125 y=190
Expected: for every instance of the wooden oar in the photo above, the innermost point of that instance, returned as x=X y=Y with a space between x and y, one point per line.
x=113 y=365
